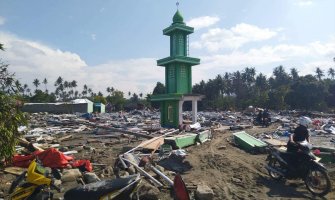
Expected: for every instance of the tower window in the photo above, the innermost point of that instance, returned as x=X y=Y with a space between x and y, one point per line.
x=174 y=46
x=171 y=72
x=170 y=113
x=181 y=40
x=183 y=71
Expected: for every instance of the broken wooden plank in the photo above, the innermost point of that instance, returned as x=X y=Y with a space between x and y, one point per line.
x=64 y=138
x=70 y=152
x=28 y=145
x=122 y=131
x=14 y=170
x=274 y=142
x=152 y=143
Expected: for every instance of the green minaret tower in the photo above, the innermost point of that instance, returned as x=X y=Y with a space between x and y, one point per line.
x=178 y=74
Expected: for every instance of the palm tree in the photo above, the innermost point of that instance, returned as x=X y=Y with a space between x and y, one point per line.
x=74 y=84
x=319 y=73
x=45 y=82
x=237 y=83
x=66 y=85
x=219 y=84
x=294 y=74
x=110 y=90
x=60 y=90
x=59 y=81
x=90 y=91
x=28 y=91
x=249 y=75
x=18 y=86
x=71 y=92
x=36 y=82
x=65 y=91
x=227 y=82
x=261 y=82
x=25 y=87
x=76 y=94
x=84 y=92
x=331 y=73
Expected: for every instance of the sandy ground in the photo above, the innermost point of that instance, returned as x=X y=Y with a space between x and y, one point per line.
x=231 y=172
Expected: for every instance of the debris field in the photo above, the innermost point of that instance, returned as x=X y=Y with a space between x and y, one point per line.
x=212 y=163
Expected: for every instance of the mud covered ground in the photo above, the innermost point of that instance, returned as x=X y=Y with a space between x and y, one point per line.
x=231 y=172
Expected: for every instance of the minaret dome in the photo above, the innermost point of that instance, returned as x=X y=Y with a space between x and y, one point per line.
x=178 y=18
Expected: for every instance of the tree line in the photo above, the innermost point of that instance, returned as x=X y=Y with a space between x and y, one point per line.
x=283 y=90
x=234 y=91
x=67 y=90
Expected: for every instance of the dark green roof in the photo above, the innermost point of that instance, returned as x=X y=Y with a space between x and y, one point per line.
x=178 y=27
x=166 y=97
x=181 y=59
x=174 y=96
x=177 y=18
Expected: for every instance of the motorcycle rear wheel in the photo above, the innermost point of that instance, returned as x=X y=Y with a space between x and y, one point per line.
x=274 y=163
x=317 y=182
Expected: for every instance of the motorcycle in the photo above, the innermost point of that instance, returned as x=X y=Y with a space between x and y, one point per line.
x=264 y=122
x=300 y=165
x=37 y=183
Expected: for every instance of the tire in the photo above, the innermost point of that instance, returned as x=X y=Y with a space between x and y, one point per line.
x=313 y=180
x=41 y=196
x=274 y=164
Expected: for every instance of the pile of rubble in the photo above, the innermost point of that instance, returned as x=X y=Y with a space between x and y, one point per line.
x=81 y=147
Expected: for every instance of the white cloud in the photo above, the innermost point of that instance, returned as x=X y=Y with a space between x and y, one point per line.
x=304 y=2
x=310 y=68
x=30 y=60
x=304 y=57
x=135 y=75
x=2 y=20
x=233 y=38
x=202 y=22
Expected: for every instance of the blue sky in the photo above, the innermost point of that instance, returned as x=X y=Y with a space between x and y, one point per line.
x=116 y=43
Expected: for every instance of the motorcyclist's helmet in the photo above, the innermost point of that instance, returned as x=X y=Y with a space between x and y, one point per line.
x=305 y=121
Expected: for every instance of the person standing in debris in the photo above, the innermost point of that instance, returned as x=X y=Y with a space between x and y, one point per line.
x=260 y=116
x=300 y=134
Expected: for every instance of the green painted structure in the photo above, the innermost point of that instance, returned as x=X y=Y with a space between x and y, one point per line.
x=178 y=74
x=99 y=107
x=187 y=139
x=248 y=142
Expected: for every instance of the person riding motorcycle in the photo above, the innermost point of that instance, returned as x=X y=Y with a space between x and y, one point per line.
x=265 y=118
x=259 y=117
x=300 y=134
x=299 y=162
x=294 y=146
